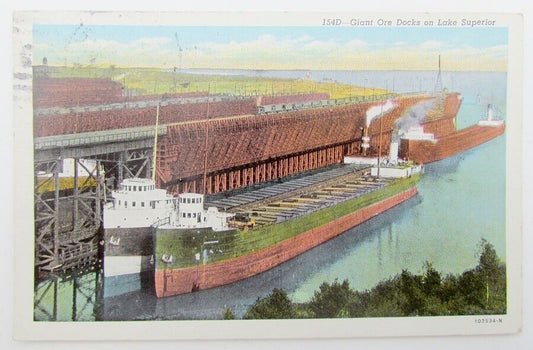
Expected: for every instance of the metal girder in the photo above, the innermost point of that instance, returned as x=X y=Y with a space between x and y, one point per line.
x=91 y=151
x=65 y=214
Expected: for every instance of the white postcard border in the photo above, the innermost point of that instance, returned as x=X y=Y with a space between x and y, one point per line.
x=27 y=329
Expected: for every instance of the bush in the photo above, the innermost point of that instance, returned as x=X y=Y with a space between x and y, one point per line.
x=275 y=306
x=332 y=300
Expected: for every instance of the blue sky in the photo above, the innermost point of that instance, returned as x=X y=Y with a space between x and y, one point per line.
x=273 y=47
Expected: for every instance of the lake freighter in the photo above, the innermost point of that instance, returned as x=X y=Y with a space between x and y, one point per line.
x=278 y=223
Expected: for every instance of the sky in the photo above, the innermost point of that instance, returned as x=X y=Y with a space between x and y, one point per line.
x=314 y=48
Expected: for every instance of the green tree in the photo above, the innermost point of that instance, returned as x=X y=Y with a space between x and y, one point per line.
x=492 y=273
x=332 y=300
x=431 y=282
x=411 y=286
x=228 y=314
x=277 y=305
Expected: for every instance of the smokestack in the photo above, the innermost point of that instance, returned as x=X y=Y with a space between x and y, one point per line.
x=489 y=112
x=393 y=153
x=366 y=140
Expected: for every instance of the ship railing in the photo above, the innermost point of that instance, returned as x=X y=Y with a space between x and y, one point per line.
x=161 y=222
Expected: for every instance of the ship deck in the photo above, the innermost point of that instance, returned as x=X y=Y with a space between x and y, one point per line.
x=276 y=202
x=284 y=214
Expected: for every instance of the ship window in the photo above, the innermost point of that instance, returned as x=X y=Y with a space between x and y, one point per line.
x=188 y=215
x=135 y=188
x=188 y=200
x=119 y=203
x=199 y=218
x=183 y=214
x=132 y=204
x=125 y=204
x=142 y=204
x=152 y=204
x=193 y=215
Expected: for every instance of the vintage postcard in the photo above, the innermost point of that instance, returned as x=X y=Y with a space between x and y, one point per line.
x=267 y=175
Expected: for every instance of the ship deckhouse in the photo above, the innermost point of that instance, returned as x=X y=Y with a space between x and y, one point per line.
x=137 y=203
x=190 y=213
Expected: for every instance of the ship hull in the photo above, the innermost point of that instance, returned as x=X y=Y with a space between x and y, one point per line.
x=130 y=254
x=423 y=152
x=174 y=281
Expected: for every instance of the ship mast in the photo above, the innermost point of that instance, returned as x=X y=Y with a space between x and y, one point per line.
x=206 y=143
x=380 y=137
x=438 y=83
x=155 y=144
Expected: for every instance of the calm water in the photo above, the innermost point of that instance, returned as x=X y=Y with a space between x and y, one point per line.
x=460 y=201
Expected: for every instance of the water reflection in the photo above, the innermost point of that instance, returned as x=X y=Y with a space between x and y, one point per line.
x=74 y=297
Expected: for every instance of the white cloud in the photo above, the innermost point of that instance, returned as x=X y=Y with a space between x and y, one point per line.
x=271 y=52
x=431 y=45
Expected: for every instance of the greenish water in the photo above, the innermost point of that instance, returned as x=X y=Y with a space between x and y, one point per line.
x=461 y=200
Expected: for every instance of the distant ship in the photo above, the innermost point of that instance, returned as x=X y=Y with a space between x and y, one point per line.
x=425 y=147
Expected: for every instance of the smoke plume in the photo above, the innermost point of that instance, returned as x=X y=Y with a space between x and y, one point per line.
x=412 y=117
x=377 y=110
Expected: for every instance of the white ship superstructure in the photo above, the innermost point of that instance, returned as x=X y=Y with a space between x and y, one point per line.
x=490 y=120
x=137 y=203
x=190 y=214
x=417 y=133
